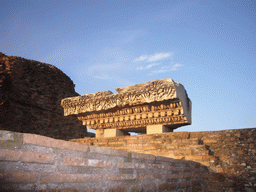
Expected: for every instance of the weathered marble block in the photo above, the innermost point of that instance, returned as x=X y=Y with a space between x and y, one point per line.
x=154 y=107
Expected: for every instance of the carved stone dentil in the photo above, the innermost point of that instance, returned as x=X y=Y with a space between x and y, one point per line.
x=161 y=101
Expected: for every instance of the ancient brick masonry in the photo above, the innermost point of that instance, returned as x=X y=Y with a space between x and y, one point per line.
x=31 y=162
x=30 y=96
x=230 y=153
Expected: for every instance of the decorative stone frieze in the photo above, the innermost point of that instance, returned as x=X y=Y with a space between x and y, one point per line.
x=133 y=108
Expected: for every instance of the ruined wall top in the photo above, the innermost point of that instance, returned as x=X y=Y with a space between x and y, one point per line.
x=152 y=91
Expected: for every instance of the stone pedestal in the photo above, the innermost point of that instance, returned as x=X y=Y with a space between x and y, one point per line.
x=99 y=133
x=114 y=133
x=153 y=129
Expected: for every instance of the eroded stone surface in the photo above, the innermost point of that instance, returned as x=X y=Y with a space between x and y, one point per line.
x=133 y=108
x=153 y=91
x=30 y=97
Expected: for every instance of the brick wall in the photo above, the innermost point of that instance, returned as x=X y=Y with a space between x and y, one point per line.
x=31 y=162
x=30 y=97
x=231 y=153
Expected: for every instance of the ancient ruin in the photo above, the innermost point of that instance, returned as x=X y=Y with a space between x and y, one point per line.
x=154 y=107
x=30 y=97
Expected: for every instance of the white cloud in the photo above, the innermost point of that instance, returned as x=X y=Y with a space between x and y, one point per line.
x=148 y=66
x=152 y=58
x=141 y=58
x=152 y=65
x=165 y=69
x=158 y=56
x=176 y=66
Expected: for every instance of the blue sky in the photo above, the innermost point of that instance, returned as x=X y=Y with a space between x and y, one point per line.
x=208 y=46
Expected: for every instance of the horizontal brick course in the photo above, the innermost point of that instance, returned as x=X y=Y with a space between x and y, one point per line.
x=106 y=151
x=209 y=141
x=37 y=157
x=75 y=161
x=26 y=156
x=99 y=163
x=167 y=186
x=132 y=165
x=56 y=165
x=69 y=178
x=118 y=177
x=143 y=156
x=55 y=143
x=145 y=176
x=158 y=166
x=18 y=177
x=10 y=155
x=86 y=162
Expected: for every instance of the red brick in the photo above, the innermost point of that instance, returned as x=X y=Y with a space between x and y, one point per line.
x=149 y=187
x=19 y=177
x=157 y=176
x=86 y=162
x=140 y=166
x=212 y=176
x=172 y=176
x=196 y=183
x=57 y=178
x=207 y=157
x=55 y=143
x=205 y=163
x=60 y=190
x=106 y=151
x=131 y=165
x=190 y=169
x=72 y=146
x=125 y=165
x=209 y=141
x=185 y=176
x=185 y=134
x=118 y=177
x=75 y=161
x=157 y=166
x=194 y=157
x=183 y=152
x=183 y=184
x=37 y=157
x=1 y=175
x=69 y=178
x=161 y=158
x=99 y=163
x=143 y=156
x=145 y=176
x=167 y=186
x=117 y=189
x=91 y=190
x=88 y=178
x=9 y=155
x=38 y=140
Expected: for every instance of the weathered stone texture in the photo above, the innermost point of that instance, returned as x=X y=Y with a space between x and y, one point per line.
x=30 y=97
x=133 y=108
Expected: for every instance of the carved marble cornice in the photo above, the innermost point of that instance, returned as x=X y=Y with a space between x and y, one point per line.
x=153 y=91
x=133 y=109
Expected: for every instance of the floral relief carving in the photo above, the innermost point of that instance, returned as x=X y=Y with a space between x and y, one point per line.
x=155 y=102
